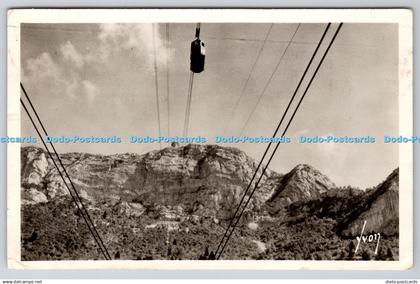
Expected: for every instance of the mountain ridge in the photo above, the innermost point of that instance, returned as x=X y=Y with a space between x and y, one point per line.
x=179 y=188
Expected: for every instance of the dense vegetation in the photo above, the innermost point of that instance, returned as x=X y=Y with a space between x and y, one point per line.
x=62 y=234
x=303 y=231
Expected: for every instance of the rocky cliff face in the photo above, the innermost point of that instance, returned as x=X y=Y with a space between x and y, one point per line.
x=303 y=183
x=39 y=180
x=190 y=193
x=379 y=209
x=201 y=179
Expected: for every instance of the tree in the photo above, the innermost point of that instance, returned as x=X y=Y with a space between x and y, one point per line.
x=351 y=250
x=366 y=255
x=389 y=254
x=380 y=255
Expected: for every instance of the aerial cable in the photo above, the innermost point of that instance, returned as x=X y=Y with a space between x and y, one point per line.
x=249 y=75
x=156 y=81
x=167 y=79
x=188 y=107
x=250 y=40
x=277 y=129
x=269 y=81
x=197 y=59
x=76 y=197
x=65 y=171
x=263 y=172
x=278 y=144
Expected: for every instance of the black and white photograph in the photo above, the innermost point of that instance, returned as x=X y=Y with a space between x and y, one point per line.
x=274 y=139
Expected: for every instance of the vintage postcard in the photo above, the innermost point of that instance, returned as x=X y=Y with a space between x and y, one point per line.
x=210 y=139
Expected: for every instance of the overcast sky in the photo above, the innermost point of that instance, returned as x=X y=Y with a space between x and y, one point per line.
x=99 y=80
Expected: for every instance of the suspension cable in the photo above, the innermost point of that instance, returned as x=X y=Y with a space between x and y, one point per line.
x=275 y=132
x=190 y=89
x=156 y=81
x=269 y=81
x=225 y=241
x=249 y=76
x=167 y=80
x=188 y=107
x=76 y=197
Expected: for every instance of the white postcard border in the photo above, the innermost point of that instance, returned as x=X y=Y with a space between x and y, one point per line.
x=401 y=16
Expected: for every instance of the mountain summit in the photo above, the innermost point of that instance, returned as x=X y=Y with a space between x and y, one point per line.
x=303 y=183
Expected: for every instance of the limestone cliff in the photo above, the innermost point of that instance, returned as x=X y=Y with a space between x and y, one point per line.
x=201 y=179
x=379 y=208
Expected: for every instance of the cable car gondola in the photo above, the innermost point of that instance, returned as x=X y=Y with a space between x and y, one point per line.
x=198 y=53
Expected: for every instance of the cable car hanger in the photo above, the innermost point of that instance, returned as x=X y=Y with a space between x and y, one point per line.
x=198 y=52
x=197 y=58
x=197 y=30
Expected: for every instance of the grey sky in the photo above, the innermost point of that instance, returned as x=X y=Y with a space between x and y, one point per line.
x=99 y=80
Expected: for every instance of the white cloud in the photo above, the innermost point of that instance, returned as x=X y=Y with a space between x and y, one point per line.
x=68 y=73
x=135 y=38
x=91 y=90
x=69 y=53
x=42 y=68
x=72 y=89
x=45 y=74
